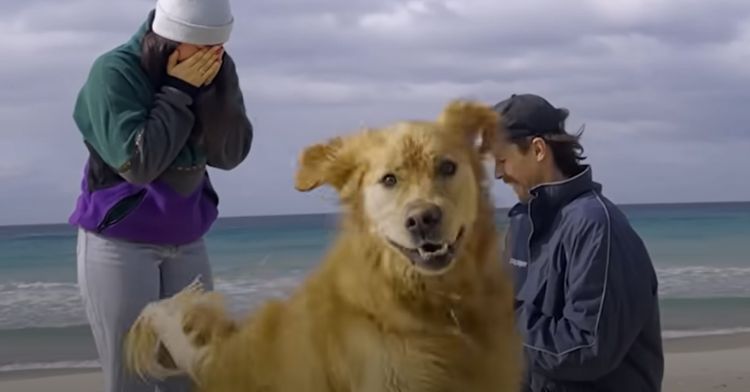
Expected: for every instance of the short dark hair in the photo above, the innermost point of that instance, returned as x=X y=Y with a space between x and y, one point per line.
x=567 y=150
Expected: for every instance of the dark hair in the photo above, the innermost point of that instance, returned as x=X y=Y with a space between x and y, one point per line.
x=567 y=150
x=155 y=52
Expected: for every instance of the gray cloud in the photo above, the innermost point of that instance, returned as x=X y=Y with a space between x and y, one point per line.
x=661 y=87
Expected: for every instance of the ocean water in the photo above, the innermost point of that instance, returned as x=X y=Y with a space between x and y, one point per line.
x=699 y=250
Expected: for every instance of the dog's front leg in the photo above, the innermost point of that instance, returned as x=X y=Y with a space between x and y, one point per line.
x=173 y=336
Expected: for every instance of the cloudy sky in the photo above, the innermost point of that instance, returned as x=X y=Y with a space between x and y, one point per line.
x=662 y=86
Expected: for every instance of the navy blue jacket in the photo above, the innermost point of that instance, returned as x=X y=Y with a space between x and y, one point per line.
x=586 y=292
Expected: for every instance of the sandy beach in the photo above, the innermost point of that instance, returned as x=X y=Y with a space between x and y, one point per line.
x=711 y=363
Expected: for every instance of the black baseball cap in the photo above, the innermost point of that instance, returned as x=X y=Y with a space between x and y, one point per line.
x=524 y=115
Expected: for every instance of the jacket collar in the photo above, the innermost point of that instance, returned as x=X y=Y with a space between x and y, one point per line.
x=555 y=195
x=548 y=198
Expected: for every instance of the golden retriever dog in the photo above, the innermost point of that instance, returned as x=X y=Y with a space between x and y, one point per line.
x=410 y=297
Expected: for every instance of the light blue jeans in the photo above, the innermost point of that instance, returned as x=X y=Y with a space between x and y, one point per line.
x=117 y=279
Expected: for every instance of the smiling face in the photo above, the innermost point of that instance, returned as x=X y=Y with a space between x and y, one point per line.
x=415 y=184
x=420 y=194
x=522 y=167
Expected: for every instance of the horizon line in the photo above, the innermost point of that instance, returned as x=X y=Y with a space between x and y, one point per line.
x=654 y=204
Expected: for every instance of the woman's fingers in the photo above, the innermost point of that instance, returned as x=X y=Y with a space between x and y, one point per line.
x=172 y=62
x=208 y=56
x=198 y=68
x=213 y=71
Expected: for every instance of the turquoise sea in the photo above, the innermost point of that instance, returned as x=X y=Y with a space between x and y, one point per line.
x=700 y=252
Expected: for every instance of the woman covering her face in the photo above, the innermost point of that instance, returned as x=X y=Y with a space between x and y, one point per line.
x=154 y=113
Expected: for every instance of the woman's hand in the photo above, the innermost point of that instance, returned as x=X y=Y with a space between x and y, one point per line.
x=197 y=68
x=214 y=70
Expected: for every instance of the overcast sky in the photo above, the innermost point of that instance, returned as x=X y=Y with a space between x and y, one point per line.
x=663 y=87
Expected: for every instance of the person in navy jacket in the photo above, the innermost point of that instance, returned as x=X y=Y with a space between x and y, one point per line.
x=586 y=289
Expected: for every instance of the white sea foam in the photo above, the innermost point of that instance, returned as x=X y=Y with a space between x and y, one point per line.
x=39 y=304
x=61 y=365
x=677 y=334
x=704 y=281
x=58 y=304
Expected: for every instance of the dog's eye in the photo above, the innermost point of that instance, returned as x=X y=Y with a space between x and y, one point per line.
x=447 y=168
x=389 y=180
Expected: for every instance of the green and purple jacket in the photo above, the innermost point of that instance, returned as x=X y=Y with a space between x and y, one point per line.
x=145 y=179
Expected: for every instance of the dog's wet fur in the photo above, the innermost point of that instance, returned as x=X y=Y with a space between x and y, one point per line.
x=410 y=297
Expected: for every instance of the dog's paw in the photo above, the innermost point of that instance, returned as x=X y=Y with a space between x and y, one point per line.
x=205 y=324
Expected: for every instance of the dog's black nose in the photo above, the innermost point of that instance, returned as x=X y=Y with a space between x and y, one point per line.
x=423 y=220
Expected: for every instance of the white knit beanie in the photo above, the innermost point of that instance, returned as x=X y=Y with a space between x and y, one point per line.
x=197 y=22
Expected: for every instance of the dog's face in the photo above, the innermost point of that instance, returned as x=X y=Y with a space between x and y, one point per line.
x=416 y=183
x=419 y=193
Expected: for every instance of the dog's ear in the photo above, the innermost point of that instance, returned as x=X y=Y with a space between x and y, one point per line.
x=314 y=165
x=324 y=163
x=476 y=121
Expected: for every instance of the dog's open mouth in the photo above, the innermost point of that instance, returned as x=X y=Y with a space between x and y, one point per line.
x=432 y=256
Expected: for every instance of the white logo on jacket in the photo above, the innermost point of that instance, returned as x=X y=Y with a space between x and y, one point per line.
x=518 y=263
